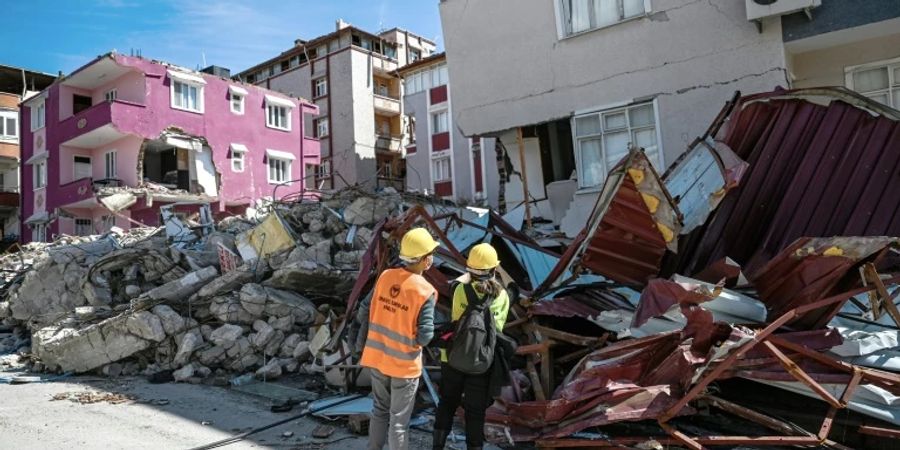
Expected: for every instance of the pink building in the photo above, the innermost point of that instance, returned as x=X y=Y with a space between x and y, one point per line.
x=122 y=136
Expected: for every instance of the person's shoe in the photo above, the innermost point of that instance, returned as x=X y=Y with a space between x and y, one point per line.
x=438 y=439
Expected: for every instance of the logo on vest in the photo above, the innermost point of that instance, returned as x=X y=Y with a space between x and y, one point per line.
x=395 y=290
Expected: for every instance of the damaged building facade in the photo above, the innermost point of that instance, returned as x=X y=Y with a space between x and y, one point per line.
x=16 y=85
x=350 y=74
x=122 y=136
x=440 y=160
x=607 y=76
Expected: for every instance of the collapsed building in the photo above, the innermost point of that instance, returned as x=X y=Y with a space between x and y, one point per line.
x=121 y=136
x=697 y=307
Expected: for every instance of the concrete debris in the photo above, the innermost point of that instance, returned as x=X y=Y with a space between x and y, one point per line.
x=133 y=301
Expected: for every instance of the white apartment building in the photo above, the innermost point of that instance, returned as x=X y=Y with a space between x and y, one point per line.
x=351 y=75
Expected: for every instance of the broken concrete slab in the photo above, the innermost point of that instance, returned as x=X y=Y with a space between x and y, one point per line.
x=191 y=341
x=311 y=278
x=172 y=322
x=183 y=287
x=226 y=335
x=231 y=281
x=88 y=348
x=146 y=325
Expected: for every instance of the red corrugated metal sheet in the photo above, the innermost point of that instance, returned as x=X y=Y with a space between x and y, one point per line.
x=633 y=223
x=813 y=269
x=815 y=170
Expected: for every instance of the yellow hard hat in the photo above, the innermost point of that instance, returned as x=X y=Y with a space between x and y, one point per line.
x=483 y=257
x=417 y=243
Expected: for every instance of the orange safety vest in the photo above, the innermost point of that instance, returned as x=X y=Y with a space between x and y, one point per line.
x=391 y=346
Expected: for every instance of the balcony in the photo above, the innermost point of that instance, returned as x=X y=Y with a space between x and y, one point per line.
x=384 y=65
x=76 y=191
x=9 y=199
x=312 y=150
x=388 y=105
x=100 y=124
x=387 y=143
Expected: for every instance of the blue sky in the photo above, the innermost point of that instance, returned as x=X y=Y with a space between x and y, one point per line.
x=63 y=35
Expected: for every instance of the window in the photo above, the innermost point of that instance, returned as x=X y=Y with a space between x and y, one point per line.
x=40 y=174
x=322 y=127
x=583 y=15
x=39 y=232
x=278 y=116
x=439 y=76
x=188 y=97
x=603 y=139
x=38 y=113
x=880 y=83
x=84 y=227
x=109 y=168
x=439 y=122
x=440 y=169
x=237 y=103
x=111 y=95
x=414 y=55
x=237 y=157
x=411 y=128
x=323 y=170
x=279 y=170
x=82 y=167
x=321 y=88
x=9 y=125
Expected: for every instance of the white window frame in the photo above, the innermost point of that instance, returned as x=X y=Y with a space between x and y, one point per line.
x=286 y=169
x=608 y=111
x=85 y=222
x=320 y=87
x=437 y=175
x=39 y=232
x=323 y=131
x=893 y=87
x=199 y=100
x=435 y=129
x=323 y=170
x=38 y=115
x=75 y=166
x=110 y=161
x=5 y=115
x=39 y=172
x=278 y=104
x=238 y=159
x=111 y=95
x=562 y=23
x=232 y=97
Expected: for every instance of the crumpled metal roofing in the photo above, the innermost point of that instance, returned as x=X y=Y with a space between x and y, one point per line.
x=816 y=169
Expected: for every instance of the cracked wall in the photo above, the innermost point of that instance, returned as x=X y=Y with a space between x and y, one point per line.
x=691 y=55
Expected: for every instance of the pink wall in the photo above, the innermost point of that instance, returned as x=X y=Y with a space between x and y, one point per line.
x=129 y=87
x=127 y=151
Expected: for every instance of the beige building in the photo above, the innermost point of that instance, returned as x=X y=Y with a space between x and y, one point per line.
x=586 y=79
x=16 y=85
x=351 y=75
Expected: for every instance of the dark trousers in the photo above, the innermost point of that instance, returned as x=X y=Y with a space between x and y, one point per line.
x=470 y=390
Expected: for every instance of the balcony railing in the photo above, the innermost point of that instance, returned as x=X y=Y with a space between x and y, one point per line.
x=9 y=198
x=96 y=116
x=386 y=104
x=387 y=143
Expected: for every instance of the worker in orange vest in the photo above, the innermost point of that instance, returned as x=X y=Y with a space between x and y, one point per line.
x=398 y=320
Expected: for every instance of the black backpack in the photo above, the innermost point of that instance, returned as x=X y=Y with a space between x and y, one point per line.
x=472 y=349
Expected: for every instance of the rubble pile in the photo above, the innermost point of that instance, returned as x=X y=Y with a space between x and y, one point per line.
x=682 y=297
x=248 y=296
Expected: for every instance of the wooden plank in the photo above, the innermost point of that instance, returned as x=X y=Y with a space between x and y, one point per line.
x=792 y=368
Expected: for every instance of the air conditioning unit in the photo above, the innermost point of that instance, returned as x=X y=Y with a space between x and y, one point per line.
x=760 y=9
